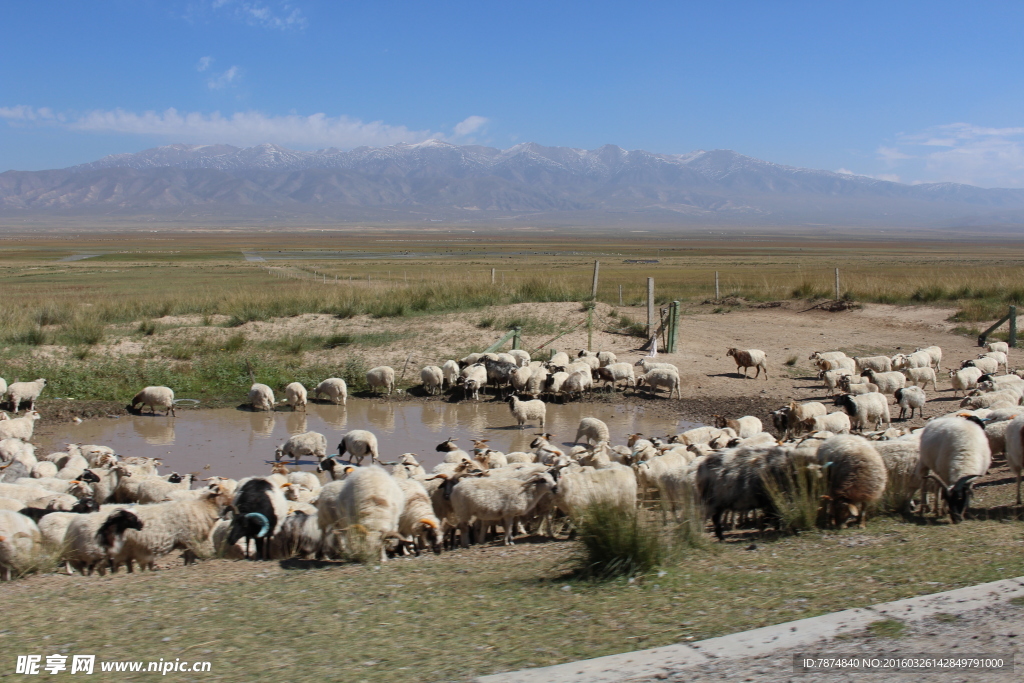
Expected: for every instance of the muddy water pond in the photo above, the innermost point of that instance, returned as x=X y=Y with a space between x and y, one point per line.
x=238 y=443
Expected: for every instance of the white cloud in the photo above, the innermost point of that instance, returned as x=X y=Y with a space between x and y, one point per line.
x=284 y=17
x=963 y=153
x=241 y=128
x=220 y=81
x=470 y=125
x=204 y=63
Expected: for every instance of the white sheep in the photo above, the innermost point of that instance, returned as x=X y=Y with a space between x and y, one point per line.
x=646 y=364
x=867 y=409
x=44 y=469
x=157 y=490
x=558 y=359
x=472 y=378
x=295 y=395
x=381 y=377
x=935 y=353
x=921 y=377
x=359 y=443
x=579 y=490
x=433 y=379
x=998 y=346
x=520 y=379
x=995 y=399
x=524 y=411
x=876 y=363
x=912 y=398
x=20 y=543
x=418 y=525
x=578 y=381
x=1014 y=435
x=989 y=366
x=745 y=427
x=3 y=386
x=155 y=397
x=178 y=524
x=955 y=451
x=335 y=388
x=20 y=392
x=831 y=364
x=614 y=373
x=887 y=382
x=750 y=358
x=833 y=380
x=450 y=370
x=593 y=430
x=261 y=397
x=857 y=476
x=836 y=423
x=312 y=444
x=19 y=427
x=364 y=510
x=660 y=379
x=502 y=500
x=520 y=356
x=92 y=539
x=965 y=379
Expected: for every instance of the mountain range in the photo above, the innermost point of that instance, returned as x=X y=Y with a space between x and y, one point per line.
x=527 y=184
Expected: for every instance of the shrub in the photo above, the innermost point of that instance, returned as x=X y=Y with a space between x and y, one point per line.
x=234 y=343
x=796 y=494
x=615 y=542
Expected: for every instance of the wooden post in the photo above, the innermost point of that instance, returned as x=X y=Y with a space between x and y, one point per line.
x=673 y=325
x=593 y=290
x=620 y=295
x=1013 y=327
x=492 y=276
x=717 y=296
x=650 y=306
x=590 y=329
x=516 y=338
x=837 y=283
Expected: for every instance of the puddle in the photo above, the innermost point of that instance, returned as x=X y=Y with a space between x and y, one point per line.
x=79 y=257
x=238 y=443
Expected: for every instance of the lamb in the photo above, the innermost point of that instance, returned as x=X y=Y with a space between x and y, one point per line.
x=366 y=508
x=546 y=452
x=381 y=377
x=335 y=389
x=20 y=392
x=910 y=397
x=19 y=427
x=964 y=379
x=833 y=379
x=918 y=359
x=472 y=378
x=593 y=430
x=836 y=423
x=93 y=539
x=798 y=413
x=833 y=364
x=527 y=410
x=825 y=355
x=433 y=379
x=307 y=479
x=295 y=395
x=1015 y=449
x=259 y=509
x=857 y=476
x=155 y=397
x=745 y=427
x=418 y=525
x=1002 y=347
x=450 y=371
x=501 y=500
x=20 y=542
x=858 y=389
x=867 y=409
x=989 y=366
x=412 y=466
x=657 y=379
x=309 y=444
x=699 y=435
x=876 y=363
x=750 y=358
x=359 y=443
x=921 y=377
x=887 y=382
x=953 y=450
x=261 y=397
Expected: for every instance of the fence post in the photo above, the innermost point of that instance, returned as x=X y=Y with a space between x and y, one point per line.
x=837 y=284
x=516 y=342
x=673 y=325
x=1013 y=327
x=492 y=276
x=717 y=296
x=593 y=290
x=650 y=306
x=620 y=295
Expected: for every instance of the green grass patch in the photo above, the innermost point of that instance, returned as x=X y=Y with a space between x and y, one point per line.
x=887 y=628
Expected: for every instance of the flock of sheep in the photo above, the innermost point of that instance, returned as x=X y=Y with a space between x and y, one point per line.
x=91 y=510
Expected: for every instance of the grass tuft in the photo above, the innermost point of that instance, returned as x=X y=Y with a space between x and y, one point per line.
x=615 y=542
x=796 y=494
x=887 y=628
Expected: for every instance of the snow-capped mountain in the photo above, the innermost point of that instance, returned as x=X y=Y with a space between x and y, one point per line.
x=717 y=186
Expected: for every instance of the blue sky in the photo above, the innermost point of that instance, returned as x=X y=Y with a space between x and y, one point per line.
x=914 y=91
